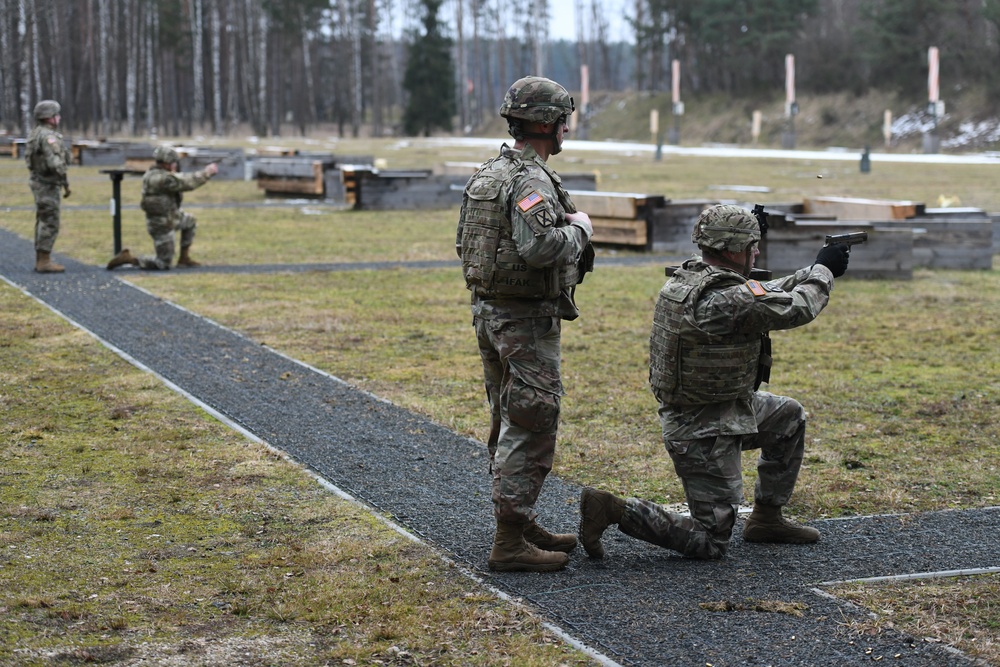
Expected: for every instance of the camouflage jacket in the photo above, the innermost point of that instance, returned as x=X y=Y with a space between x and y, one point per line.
x=161 y=189
x=732 y=312
x=47 y=156
x=535 y=204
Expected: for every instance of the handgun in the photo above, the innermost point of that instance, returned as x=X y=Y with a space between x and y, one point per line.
x=851 y=238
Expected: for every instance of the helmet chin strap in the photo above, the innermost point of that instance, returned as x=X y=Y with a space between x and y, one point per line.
x=552 y=136
x=744 y=268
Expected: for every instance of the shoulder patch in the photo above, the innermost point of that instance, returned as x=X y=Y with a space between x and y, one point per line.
x=529 y=202
x=544 y=217
x=51 y=139
x=756 y=288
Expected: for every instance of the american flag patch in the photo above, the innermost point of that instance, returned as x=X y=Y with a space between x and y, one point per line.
x=756 y=288
x=530 y=201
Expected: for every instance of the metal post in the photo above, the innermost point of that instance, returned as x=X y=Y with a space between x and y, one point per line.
x=116 y=203
x=116 y=200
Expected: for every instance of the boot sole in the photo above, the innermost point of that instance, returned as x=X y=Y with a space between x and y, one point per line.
x=567 y=549
x=525 y=567
x=779 y=541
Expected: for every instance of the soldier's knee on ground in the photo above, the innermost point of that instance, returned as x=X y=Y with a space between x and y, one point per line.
x=532 y=408
x=718 y=519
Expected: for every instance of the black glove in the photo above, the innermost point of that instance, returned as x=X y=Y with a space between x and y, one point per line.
x=834 y=257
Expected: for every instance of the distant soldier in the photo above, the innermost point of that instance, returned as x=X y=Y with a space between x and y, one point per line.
x=47 y=158
x=161 y=200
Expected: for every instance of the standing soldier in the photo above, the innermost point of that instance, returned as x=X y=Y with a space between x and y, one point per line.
x=524 y=248
x=48 y=159
x=706 y=361
x=161 y=200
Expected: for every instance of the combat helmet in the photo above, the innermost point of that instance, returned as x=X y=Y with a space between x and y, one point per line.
x=165 y=154
x=536 y=99
x=726 y=228
x=47 y=109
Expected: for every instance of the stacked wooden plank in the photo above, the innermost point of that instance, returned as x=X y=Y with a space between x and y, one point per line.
x=902 y=236
x=315 y=175
x=139 y=156
x=620 y=219
x=98 y=153
x=856 y=208
x=11 y=146
x=368 y=188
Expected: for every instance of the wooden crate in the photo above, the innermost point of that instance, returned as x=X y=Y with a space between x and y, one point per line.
x=291 y=176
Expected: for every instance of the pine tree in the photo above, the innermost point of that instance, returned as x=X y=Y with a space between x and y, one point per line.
x=429 y=78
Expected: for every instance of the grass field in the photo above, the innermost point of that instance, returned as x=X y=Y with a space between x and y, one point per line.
x=901 y=381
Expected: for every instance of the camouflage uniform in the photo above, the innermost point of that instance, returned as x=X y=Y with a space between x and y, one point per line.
x=705 y=351
x=161 y=200
x=518 y=303
x=48 y=158
x=520 y=258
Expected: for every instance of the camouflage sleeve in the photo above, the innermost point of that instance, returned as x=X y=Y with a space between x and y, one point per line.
x=184 y=182
x=535 y=214
x=55 y=155
x=756 y=307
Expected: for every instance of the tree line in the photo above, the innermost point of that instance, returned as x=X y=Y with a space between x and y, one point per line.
x=180 y=67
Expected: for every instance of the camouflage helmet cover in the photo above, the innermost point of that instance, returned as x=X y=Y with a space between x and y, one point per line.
x=536 y=99
x=165 y=154
x=726 y=228
x=47 y=109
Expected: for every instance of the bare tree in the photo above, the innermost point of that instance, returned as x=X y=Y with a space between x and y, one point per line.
x=103 y=43
x=22 y=33
x=215 y=29
x=150 y=51
x=132 y=60
x=196 y=8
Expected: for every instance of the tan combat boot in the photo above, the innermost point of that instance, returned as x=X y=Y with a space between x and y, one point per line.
x=765 y=524
x=44 y=263
x=547 y=541
x=511 y=553
x=122 y=258
x=598 y=510
x=185 y=261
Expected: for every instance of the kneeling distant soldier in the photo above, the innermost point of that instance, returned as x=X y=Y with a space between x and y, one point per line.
x=708 y=354
x=161 y=200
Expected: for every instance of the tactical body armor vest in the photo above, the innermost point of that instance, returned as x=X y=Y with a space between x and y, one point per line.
x=34 y=155
x=154 y=202
x=492 y=267
x=696 y=367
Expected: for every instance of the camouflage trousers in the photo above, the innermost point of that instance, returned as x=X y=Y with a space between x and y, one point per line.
x=521 y=368
x=48 y=197
x=162 y=229
x=710 y=470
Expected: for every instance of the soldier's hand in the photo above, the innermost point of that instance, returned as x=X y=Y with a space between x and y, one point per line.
x=66 y=191
x=212 y=169
x=834 y=257
x=581 y=220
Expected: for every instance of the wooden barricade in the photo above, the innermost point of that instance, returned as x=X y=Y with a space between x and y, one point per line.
x=98 y=153
x=619 y=218
x=854 y=208
x=139 y=156
x=315 y=175
x=12 y=146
